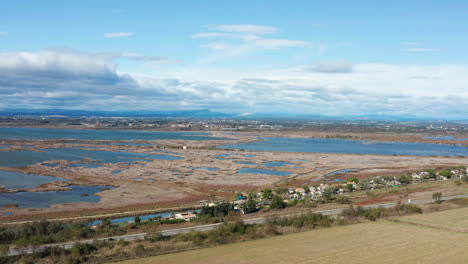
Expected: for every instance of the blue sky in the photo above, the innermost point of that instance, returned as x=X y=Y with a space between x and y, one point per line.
x=310 y=57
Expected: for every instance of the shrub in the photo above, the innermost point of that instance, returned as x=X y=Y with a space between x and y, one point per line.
x=137 y=220
x=139 y=249
x=437 y=197
x=122 y=242
x=154 y=237
x=277 y=203
x=343 y=200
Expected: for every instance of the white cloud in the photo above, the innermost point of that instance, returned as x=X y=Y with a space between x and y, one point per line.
x=247 y=29
x=63 y=78
x=330 y=67
x=216 y=46
x=240 y=40
x=280 y=43
x=214 y=35
x=145 y=58
x=118 y=34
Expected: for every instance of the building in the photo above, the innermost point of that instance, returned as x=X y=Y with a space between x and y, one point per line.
x=187 y=216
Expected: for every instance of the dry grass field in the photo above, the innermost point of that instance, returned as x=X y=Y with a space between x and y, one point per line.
x=455 y=219
x=372 y=242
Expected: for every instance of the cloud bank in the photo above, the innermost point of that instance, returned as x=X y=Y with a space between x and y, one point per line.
x=65 y=78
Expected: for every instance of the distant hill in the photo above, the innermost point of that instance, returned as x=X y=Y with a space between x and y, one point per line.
x=201 y=113
x=206 y=113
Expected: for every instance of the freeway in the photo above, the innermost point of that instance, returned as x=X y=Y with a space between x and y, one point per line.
x=172 y=232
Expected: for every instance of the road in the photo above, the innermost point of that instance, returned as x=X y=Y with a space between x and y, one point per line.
x=171 y=232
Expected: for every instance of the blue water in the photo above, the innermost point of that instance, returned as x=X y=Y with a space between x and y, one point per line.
x=223 y=155
x=50 y=164
x=445 y=138
x=262 y=171
x=338 y=172
x=45 y=133
x=208 y=168
x=245 y=162
x=250 y=155
x=127 y=144
x=116 y=172
x=131 y=219
x=46 y=199
x=84 y=165
x=19 y=180
x=25 y=158
x=277 y=163
x=331 y=145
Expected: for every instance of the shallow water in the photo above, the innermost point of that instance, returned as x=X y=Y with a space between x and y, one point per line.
x=331 y=145
x=277 y=163
x=208 y=168
x=338 y=172
x=127 y=144
x=445 y=138
x=46 y=133
x=245 y=162
x=19 y=180
x=25 y=158
x=84 y=165
x=45 y=199
x=131 y=219
x=262 y=171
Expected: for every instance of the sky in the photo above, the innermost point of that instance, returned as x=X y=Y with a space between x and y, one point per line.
x=339 y=58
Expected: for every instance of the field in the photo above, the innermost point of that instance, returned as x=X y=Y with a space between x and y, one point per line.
x=456 y=219
x=372 y=242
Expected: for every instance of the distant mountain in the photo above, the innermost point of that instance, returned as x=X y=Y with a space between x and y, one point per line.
x=199 y=113
x=206 y=114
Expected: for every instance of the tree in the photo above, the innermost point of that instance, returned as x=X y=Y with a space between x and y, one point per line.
x=464 y=178
x=281 y=190
x=445 y=173
x=327 y=194
x=277 y=203
x=437 y=196
x=4 y=249
x=404 y=179
x=354 y=179
x=22 y=243
x=307 y=189
x=35 y=242
x=267 y=194
x=432 y=173
x=249 y=206
x=350 y=187
x=137 y=220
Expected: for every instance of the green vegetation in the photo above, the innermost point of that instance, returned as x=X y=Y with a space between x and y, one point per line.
x=277 y=203
x=437 y=196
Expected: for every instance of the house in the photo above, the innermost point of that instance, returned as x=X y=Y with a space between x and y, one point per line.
x=300 y=191
x=187 y=216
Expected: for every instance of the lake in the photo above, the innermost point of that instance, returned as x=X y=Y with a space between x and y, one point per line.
x=331 y=145
x=445 y=138
x=277 y=163
x=262 y=171
x=47 y=133
x=26 y=158
x=46 y=199
x=19 y=180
